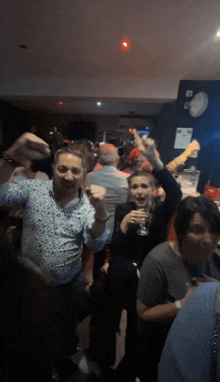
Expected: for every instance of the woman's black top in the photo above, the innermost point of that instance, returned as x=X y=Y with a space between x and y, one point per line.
x=135 y=247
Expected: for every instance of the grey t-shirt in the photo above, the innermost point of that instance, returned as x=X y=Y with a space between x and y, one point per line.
x=163 y=279
x=164 y=276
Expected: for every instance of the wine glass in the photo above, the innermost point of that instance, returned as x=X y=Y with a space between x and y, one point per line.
x=143 y=230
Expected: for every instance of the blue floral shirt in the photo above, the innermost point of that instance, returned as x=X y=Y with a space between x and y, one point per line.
x=53 y=235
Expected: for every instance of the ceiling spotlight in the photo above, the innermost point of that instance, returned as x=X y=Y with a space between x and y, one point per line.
x=98 y=103
x=218 y=34
x=125 y=44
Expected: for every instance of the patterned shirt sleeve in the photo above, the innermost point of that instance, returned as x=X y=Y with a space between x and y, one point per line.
x=14 y=193
x=94 y=244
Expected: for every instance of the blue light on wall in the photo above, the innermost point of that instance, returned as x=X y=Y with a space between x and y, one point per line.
x=205 y=130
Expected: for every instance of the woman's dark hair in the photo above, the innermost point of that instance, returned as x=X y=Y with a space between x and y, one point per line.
x=187 y=209
x=148 y=174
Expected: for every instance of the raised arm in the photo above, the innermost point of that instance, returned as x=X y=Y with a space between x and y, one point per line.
x=27 y=147
x=147 y=148
x=180 y=161
x=173 y=192
x=96 y=195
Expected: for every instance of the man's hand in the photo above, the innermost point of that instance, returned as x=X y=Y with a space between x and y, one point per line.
x=28 y=147
x=96 y=195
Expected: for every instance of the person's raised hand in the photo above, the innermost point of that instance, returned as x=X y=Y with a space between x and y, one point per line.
x=145 y=145
x=28 y=147
x=96 y=195
x=192 y=148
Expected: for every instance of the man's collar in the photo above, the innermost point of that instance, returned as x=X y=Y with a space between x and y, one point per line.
x=109 y=169
x=73 y=201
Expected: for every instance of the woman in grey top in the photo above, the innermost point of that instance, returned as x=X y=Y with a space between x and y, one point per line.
x=171 y=268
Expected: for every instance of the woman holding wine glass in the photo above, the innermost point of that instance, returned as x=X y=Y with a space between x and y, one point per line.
x=140 y=225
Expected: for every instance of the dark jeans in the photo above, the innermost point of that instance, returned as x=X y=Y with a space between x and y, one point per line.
x=63 y=306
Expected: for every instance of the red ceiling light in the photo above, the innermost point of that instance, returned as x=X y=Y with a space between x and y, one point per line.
x=125 y=44
x=60 y=103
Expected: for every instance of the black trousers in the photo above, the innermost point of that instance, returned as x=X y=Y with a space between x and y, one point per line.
x=119 y=292
x=151 y=340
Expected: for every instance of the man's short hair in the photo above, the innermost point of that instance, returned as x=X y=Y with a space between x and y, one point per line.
x=187 y=209
x=69 y=150
x=107 y=155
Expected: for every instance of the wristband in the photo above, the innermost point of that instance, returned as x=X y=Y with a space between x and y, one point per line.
x=11 y=161
x=178 y=305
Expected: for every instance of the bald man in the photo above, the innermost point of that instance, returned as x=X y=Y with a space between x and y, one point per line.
x=113 y=180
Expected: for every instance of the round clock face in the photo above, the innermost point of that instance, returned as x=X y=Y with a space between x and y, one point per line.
x=198 y=104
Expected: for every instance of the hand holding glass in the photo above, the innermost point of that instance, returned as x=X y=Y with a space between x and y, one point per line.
x=143 y=230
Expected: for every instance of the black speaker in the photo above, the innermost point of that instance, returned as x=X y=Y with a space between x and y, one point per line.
x=82 y=130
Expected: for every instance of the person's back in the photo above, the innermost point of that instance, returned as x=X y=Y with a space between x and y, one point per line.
x=188 y=351
x=114 y=181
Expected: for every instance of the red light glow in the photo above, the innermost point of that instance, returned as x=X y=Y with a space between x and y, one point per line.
x=60 y=103
x=125 y=44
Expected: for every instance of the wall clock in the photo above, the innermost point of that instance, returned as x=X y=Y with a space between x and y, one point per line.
x=197 y=105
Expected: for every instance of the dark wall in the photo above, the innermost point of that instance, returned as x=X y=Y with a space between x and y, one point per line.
x=14 y=122
x=206 y=129
x=82 y=130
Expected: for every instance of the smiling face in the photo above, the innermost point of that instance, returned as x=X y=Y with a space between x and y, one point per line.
x=141 y=191
x=68 y=175
x=200 y=240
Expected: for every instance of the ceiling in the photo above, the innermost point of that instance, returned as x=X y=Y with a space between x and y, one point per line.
x=74 y=53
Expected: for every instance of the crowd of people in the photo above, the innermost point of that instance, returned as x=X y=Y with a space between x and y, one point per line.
x=116 y=210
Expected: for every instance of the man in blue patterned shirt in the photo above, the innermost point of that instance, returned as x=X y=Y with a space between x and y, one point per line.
x=58 y=219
